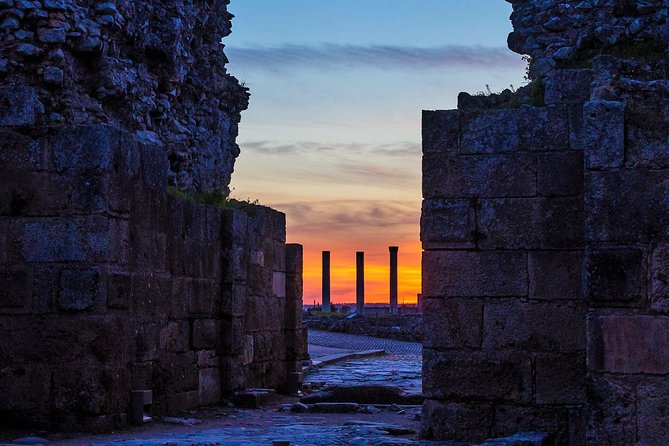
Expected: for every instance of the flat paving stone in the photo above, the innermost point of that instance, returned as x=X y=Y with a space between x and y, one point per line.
x=359 y=342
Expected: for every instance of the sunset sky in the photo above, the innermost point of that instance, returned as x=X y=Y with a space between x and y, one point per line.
x=332 y=135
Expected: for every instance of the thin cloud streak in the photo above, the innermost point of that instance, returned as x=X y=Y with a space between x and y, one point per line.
x=330 y=56
x=300 y=147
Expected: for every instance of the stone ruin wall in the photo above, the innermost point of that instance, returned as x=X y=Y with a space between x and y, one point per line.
x=110 y=283
x=156 y=69
x=546 y=231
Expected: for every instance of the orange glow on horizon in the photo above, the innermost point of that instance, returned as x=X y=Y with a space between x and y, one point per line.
x=377 y=274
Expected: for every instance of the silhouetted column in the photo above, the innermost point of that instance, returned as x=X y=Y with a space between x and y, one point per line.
x=360 y=283
x=393 y=278
x=326 y=281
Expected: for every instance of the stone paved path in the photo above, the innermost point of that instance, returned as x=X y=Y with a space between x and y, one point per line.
x=358 y=342
x=401 y=367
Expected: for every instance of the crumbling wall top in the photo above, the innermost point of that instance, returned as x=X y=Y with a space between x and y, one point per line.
x=154 y=68
x=569 y=33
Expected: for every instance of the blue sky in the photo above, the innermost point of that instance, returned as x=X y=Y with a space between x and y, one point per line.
x=332 y=135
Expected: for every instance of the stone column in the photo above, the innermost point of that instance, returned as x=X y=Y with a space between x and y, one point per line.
x=326 y=281
x=360 y=283
x=393 y=278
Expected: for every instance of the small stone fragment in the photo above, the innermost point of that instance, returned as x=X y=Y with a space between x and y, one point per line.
x=56 y=5
x=51 y=35
x=27 y=50
x=9 y=24
x=53 y=76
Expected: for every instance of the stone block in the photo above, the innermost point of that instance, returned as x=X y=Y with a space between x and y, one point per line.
x=612 y=415
x=44 y=288
x=151 y=294
x=233 y=297
x=147 y=342
x=202 y=297
x=205 y=334
x=448 y=176
x=119 y=288
x=476 y=375
x=210 y=386
x=155 y=166
x=646 y=136
x=628 y=344
x=555 y=275
x=79 y=289
x=470 y=422
x=18 y=106
x=208 y=359
x=267 y=346
x=560 y=379
x=85 y=148
x=441 y=130
x=20 y=152
x=16 y=289
x=179 y=372
x=568 y=86
x=627 y=206
x=531 y=223
x=616 y=276
x=232 y=374
x=525 y=326
x=659 y=278
x=175 y=336
x=603 y=134
x=510 y=419
x=652 y=412
x=235 y=227
x=462 y=274
x=513 y=130
x=93 y=390
x=452 y=323
x=26 y=390
x=279 y=284
x=448 y=224
x=232 y=336
x=560 y=174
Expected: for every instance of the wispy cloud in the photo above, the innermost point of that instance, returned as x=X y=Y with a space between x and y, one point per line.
x=411 y=149
x=344 y=57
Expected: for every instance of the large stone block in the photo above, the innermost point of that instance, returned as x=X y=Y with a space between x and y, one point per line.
x=461 y=274
x=18 y=106
x=627 y=206
x=92 y=390
x=616 y=276
x=80 y=288
x=560 y=379
x=456 y=421
x=26 y=390
x=530 y=223
x=15 y=289
x=628 y=344
x=612 y=417
x=86 y=148
x=21 y=152
x=448 y=176
x=534 y=326
x=205 y=334
x=279 y=284
x=175 y=336
x=448 y=224
x=513 y=130
x=210 y=386
x=477 y=375
x=151 y=294
x=659 y=278
x=560 y=174
x=441 y=130
x=568 y=86
x=555 y=275
x=452 y=323
x=603 y=134
x=119 y=288
x=647 y=127
x=653 y=412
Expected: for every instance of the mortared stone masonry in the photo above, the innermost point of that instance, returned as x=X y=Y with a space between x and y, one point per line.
x=545 y=227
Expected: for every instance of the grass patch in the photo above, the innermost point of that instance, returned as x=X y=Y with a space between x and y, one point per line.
x=213 y=198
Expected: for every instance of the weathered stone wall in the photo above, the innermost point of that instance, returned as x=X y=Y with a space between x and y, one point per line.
x=545 y=232
x=110 y=284
x=154 y=68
